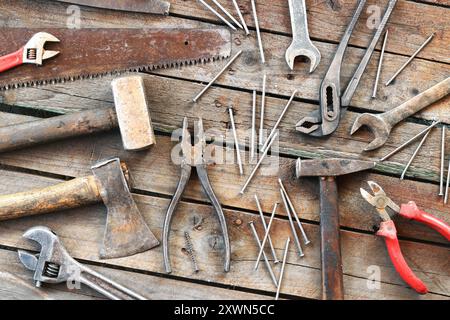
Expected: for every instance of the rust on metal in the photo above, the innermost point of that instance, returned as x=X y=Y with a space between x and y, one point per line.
x=144 y=6
x=330 y=167
x=94 y=52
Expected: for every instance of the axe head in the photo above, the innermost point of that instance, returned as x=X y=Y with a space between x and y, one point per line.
x=330 y=167
x=126 y=232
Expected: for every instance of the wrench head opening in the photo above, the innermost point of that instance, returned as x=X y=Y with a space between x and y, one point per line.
x=312 y=53
x=34 y=51
x=376 y=125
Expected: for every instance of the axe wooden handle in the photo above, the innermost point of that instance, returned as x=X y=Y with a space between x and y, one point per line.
x=71 y=194
x=69 y=125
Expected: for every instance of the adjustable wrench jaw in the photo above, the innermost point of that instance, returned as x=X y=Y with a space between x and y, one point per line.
x=34 y=52
x=50 y=264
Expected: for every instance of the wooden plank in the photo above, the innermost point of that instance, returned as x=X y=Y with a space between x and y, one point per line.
x=166 y=107
x=410 y=24
x=17 y=283
x=81 y=231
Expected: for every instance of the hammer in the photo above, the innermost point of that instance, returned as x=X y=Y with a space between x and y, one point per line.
x=126 y=232
x=130 y=114
x=331 y=260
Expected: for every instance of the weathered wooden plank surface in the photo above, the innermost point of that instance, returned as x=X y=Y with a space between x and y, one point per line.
x=410 y=23
x=168 y=110
x=17 y=283
x=81 y=230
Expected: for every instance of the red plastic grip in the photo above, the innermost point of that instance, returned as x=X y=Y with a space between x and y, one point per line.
x=388 y=231
x=411 y=211
x=11 y=60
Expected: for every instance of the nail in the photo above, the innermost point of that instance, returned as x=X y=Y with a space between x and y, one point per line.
x=291 y=223
x=258 y=33
x=241 y=17
x=227 y=13
x=414 y=154
x=266 y=235
x=218 y=14
x=263 y=221
x=263 y=103
x=280 y=279
x=448 y=181
x=377 y=79
x=236 y=141
x=253 y=133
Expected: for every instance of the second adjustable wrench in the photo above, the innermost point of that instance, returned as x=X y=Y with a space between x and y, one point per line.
x=301 y=43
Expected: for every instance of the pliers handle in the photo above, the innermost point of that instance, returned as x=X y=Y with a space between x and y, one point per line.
x=389 y=232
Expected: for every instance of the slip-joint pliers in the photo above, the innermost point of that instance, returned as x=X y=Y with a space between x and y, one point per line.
x=387 y=230
x=194 y=156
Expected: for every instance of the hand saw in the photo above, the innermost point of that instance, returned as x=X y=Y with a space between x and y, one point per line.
x=145 y=6
x=95 y=52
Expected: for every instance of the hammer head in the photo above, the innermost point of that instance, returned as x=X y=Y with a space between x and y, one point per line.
x=132 y=112
x=126 y=232
x=377 y=125
x=330 y=167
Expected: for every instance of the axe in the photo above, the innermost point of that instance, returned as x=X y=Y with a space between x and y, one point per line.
x=126 y=232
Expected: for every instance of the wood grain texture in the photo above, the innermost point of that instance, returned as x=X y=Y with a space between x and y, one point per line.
x=81 y=231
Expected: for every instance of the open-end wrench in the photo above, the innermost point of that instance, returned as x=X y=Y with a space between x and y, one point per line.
x=32 y=52
x=381 y=124
x=54 y=265
x=301 y=43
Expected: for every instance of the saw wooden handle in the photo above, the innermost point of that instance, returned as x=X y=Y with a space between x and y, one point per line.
x=69 y=125
x=71 y=194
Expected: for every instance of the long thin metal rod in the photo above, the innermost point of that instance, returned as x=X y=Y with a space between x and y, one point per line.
x=266 y=261
x=410 y=59
x=217 y=76
x=250 y=177
x=266 y=235
x=227 y=13
x=410 y=141
x=447 y=184
x=253 y=133
x=238 y=10
x=263 y=221
x=441 y=182
x=291 y=223
x=236 y=142
x=291 y=206
x=280 y=279
x=263 y=105
x=414 y=154
x=380 y=63
x=275 y=127
x=217 y=14
x=258 y=33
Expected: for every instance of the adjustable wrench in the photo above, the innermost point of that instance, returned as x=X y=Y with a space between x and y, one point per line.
x=301 y=43
x=54 y=265
x=381 y=124
x=32 y=52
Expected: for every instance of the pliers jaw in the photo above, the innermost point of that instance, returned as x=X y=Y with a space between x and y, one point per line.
x=34 y=52
x=193 y=155
x=380 y=200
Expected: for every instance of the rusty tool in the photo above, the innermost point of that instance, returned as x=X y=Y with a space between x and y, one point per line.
x=126 y=232
x=92 y=53
x=387 y=229
x=33 y=52
x=194 y=156
x=144 y=6
x=325 y=120
x=130 y=114
x=327 y=170
x=381 y=124
x=53 y=264
x=380 y=63
x=301 y=43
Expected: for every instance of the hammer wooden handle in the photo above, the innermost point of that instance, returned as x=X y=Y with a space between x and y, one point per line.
x=70 y=125
x=71 y=194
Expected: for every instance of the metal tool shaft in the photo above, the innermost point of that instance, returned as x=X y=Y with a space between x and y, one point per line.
x=261 y=115
x=266 y=235
x=250 y=177
x=441 y=181
x=263 y=222
x=435 y=123
x=253 y=133
x=380 y=63
x=410 y=59
x=217 y=76
x=266 y=261
x=217 y=14
x=291 y=223
x=258 y=33
x=227 y=13
x=280 y=279
x=236 y=142
x=414 y=154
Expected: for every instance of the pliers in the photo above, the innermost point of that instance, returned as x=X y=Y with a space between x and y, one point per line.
x=32 y=52
x=194 y=156
x=387 y=230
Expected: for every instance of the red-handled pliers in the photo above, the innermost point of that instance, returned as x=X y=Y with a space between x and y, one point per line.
x=387 y=230
x=32 y=52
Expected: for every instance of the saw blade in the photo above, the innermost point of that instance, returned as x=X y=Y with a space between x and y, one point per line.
x=88 y=53
x=145 y=6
